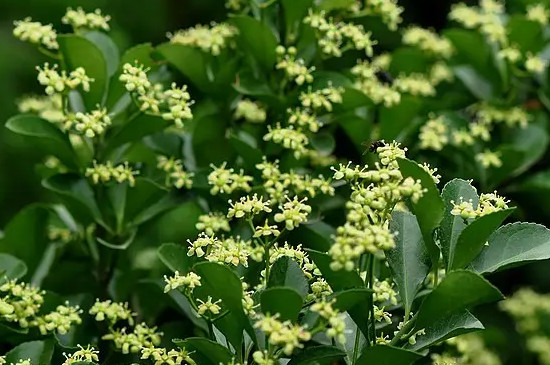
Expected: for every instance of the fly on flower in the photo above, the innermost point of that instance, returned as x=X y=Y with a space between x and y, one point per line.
x=372 y=146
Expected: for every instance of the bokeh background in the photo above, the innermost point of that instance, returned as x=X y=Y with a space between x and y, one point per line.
x=140 y=21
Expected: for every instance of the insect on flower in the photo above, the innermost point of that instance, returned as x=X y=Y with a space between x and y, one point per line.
x=373 y=146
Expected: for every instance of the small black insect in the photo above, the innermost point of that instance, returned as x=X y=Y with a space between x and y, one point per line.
x=384 y=77
x=374 y=145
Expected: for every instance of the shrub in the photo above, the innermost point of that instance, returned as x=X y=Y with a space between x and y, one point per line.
x=211 y=160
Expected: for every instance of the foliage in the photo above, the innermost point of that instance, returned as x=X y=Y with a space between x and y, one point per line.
x=211 y=160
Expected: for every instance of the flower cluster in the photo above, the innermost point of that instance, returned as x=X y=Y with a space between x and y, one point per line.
x=112 y=312
x=467 y=349
x=212 y=222
x=434 y=134
x=289 y=138
x=188 y=282
x=336 y=37
x=374 y=195
x=90 y=124
x=530 y=312
x=285 y=335
x=173 y=104
x=488 y=203
x=79 y=19
x=414 y=84
x=212 y=39
x=248 y=207
x=367 y=81
x=88 y=354
x=49 y=107
x=388 y=10
x=428 y=41
x=175 y=174
x=161 y=356
x=103 y=173
x=489 y=19
x=226 y=181
x=278 y=184
x=59 y=82
x=250 y=111
x=322 y=98
x=293 y=213
x=36 y=33
x=21 y=303
x=295 y=69
x=336 y=324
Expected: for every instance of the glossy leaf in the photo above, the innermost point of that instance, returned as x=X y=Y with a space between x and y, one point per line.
x=189 y=61
x=338 y=280
x=257 y=39
x=54 y=140
x=294 y=13
x=286 y=272
x=77 y=52
x=174 y=256
x=429 y=209
x=513 y=244
x=459 y=290
x=25 y=236
x=11 y=268
x=447 y=327
x=409 y=261
x=107 y=47
x=475 y=82
x=205 y=351
x=317 y=354
x=387 y=355
x=452 y=226
x=215 y=276
x=396 y=119
x=77 y=189
x=473 y=238
x=39 y=352
x=286 y=302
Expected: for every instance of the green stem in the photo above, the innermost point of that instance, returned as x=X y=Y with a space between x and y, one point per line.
x=407 y=327
x=370 y=278
x=210 y=330
x=356 y=346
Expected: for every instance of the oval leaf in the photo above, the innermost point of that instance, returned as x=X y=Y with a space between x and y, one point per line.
x=512 y=245
x=284 y=301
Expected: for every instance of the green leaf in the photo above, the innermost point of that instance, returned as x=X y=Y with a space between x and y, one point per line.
x=522 y=148
x=315 y=235
x=329 y=5
x=205 y=351
x=295 y=12
x=246 y=146
x=475 y=82
x=53 y=139
x=395 y=120
x=452 y=225
x=135 y=129
x=430 y=207
x=317 y=355
x=190 y=61
x=257 y=39
x=458 y=291
x=287 y=302
x=218 y=281
x=77 y=52
x=25 y=236
x=175 y=257
x=526 y=34
x=387 y=355
x=409 y=261
x=323 y=142
x=470 y=47
x=78 y=191
x=357 y=129
x=107 y=47
x=145 y=200
x=448 y=327
x=11 y=268
x=286 y=272
x=338 y=280
x=39 y=352
x=341 y=280
x=409 y=60
x=349 y=299
x=474 y=236
x=513 y=244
